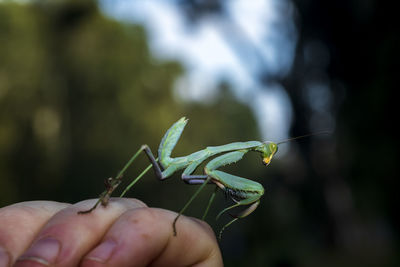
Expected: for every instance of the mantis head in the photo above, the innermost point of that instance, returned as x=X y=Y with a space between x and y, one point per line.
x=268 y=150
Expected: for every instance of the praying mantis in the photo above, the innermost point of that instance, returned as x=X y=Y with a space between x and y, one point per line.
x=242 y=191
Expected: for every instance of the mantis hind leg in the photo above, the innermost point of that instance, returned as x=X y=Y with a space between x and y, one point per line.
x=156 y=167
x=113 y=183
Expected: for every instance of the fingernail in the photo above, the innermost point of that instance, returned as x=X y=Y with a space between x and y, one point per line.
x=102 y=252
x=4 y=257
x=44 y=251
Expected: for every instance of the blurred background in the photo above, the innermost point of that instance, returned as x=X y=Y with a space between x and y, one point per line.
x=84 y=83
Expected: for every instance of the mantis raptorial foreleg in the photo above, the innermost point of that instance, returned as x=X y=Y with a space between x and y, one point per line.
x=254 y=201
x=156 y=167
x=249 y=192
x=220 y=161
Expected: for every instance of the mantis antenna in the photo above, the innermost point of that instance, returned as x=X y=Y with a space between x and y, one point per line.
x=302 y=136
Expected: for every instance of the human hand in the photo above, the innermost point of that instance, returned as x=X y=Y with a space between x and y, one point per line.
x=125 y=233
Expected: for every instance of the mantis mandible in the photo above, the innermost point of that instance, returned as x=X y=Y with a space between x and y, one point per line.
x=242 y=191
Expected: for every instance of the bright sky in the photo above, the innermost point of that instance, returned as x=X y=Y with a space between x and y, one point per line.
x=209 y=58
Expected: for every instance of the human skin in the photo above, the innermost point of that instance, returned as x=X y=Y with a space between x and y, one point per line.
x=125 y=233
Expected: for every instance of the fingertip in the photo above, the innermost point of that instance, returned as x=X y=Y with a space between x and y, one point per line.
x=206 y=227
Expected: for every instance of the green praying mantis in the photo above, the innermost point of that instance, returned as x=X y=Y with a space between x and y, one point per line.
x=242 y=191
